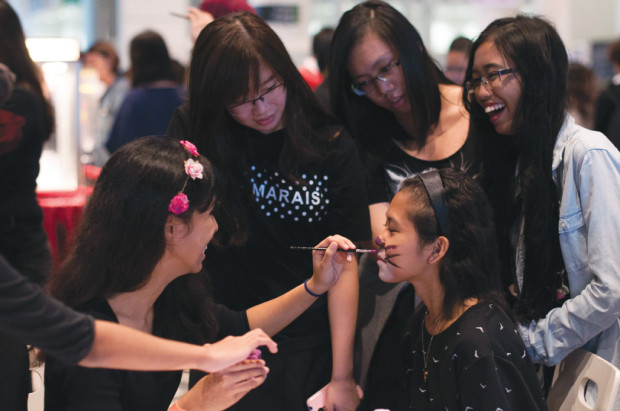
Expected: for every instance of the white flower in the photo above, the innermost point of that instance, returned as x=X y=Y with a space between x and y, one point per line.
x=193 y=169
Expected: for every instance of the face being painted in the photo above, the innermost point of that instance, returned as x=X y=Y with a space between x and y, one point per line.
x=403 y=256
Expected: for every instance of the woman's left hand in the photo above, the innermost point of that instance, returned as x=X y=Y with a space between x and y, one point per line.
x=342 y=395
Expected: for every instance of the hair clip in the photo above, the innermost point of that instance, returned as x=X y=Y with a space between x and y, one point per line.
x=180 y=203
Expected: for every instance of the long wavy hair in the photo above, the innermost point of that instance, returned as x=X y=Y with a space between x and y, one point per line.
x=367 y=122
x=533 y=46
x=470 y=267
x=121 y=237
x=14 y=54
x=225 y=68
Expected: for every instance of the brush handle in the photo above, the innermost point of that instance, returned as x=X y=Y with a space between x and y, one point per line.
x=353 y=250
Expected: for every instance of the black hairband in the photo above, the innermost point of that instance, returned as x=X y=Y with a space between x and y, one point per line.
x=434 y=188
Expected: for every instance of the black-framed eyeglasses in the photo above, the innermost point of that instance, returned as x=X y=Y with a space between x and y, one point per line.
x=247 y=105
x=387 y=73
x=489 y=80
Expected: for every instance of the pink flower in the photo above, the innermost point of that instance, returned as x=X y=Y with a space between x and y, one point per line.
x=190 y=147
x=193 y=169
x=179 y=204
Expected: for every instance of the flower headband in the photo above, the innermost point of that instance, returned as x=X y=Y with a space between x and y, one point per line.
x=180 y=203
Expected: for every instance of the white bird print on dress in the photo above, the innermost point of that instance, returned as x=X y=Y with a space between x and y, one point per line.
x=508 y=390
x=501 y=327
x=483 y=386
x=476 y=354
x=480 y=329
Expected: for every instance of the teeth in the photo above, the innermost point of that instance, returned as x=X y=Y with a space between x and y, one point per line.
x=494 y=107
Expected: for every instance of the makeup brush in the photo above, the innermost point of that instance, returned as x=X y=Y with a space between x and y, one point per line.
x=352 y=250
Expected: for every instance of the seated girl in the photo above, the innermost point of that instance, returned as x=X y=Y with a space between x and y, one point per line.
x=148 y=222
x=462 y=350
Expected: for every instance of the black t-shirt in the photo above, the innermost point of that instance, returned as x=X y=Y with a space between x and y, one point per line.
x=28 y=314
x=396 y=165
x=22 y=135
x=478 y=363
x=287 y=213
x=78 y=388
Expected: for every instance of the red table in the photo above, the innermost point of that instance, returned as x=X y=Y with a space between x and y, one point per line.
x=62 y=212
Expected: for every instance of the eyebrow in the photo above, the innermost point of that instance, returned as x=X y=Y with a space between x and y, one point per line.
x=391 y=221
x=273 y=77
x=487 y=67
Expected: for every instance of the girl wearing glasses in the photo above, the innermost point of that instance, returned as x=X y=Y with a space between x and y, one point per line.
x=406 y=117
x=555 y=190
x=291 y=176
x=396 y=102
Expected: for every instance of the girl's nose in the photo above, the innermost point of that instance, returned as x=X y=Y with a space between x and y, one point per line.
x=379 y=241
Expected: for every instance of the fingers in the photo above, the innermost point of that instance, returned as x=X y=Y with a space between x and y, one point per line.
x=242 y=387
x=244 y=365
x=259 y=338
x=343 y=242
x=237 y=377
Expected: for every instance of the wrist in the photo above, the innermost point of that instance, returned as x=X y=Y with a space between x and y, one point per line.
x=311 y=288
x=343 y=378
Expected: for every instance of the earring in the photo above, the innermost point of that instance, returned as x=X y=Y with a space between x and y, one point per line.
x=431 y=258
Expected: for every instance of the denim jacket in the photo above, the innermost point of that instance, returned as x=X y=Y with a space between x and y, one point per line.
x=586 y=171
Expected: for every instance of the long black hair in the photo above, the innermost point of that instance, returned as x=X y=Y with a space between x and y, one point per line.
x=121 y=236
x=366 y=121
x=470 y=267
x=533 y=46
x=225 y=68
x=14 y=54
x=150 y=60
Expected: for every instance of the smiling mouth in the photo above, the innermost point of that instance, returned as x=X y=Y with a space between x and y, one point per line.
x=265 y=120
x=494 y=110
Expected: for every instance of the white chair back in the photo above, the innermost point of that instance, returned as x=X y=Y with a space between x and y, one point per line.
x=567 y=392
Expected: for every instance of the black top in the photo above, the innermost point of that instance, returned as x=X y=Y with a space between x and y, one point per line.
x=78 y=388
x=396 y=165
x=28 y=314
x=22 y=134
x=478 y=363
x=287 y=214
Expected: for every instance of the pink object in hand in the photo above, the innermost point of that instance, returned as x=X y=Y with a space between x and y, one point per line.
x=255 y=355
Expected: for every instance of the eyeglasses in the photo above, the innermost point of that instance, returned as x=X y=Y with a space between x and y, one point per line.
x=247 y=105
x=386 y=74
x=489 y=80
